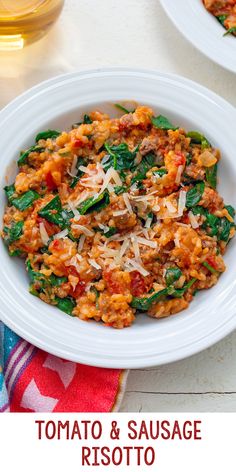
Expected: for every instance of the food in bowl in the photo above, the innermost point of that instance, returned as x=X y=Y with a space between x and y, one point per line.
x=119 y=216
x=225 y=12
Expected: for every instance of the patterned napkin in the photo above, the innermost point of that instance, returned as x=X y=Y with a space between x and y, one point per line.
x=32 y=380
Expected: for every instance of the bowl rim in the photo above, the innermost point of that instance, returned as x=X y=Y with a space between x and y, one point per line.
x=209 y=53
x=188 y=350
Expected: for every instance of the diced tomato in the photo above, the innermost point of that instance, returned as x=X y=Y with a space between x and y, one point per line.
x=212 y=262
x=77 y=143
x=113 y=285
x=50 y=227
x=79 y=289
x=139 y=284
x=51 y=185
x=72 y=271
x=179 y=159
x=56 y=244
x=122 y=127
x=185 y=219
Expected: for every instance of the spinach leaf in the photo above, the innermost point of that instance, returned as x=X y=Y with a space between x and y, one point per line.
x=15 y=253
x=198 y=138
x=211 y=176
x=95 y=204
x=80 y=162
x=219 y=227
x=145 y=165
x=51 y=281
x=230 y=210
x=172 y=275
x=66 y=304
x=25 y=200
x=162 y=122
x=119 y=189
x=120 y=107
x=179 y=292
x=121 y=158
x=97 y=294
x=189 y=159
x=194 y=195
x=230 y=31
x=209 y=267
x=224 y=227
x=221 y=19
x=24 y=156
x=145 y=303
x=74 y=182
x=87 y=120
x=53 y=212
x=33 y=275
x=14 y=232
x=110 y=232
x=160 y=172
x=50 y=133
x=56 y=281
x=10 y=191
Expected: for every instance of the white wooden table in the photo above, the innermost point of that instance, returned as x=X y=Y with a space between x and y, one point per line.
x=96 y=33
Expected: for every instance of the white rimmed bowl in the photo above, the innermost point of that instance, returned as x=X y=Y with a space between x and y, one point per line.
x=203 y=31
x=60 y=102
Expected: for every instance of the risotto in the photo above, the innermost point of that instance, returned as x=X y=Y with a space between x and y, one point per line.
x=119 y=216
x=225 y=12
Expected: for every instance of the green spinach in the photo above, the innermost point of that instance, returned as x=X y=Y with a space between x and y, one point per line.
x=194 y=195
x=94 y=204
x=50 y=133
x=14 y=232
x=120 y=157
x=198 y=138
x=162 y=122
x=66 y=304
x=24 y=156
x=209 y=267
x=141 y=170
x=230 y=31
x=172 y=275
x=211 y=176
x=25 y=201
x=120 y=107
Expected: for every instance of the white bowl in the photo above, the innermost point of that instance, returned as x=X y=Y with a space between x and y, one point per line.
x=60 y=102
x=203 y=31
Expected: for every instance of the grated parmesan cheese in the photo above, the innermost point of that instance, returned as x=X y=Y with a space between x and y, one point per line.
x=132 y=265
x=182 y=202
x=169 y=206
x=81 y=242
x=148 y=223
x=111 y=174
x=93 y=263
x=43 y=233
x=127 y=202
x=147 y=242
x=179 y=174
x=120 y=212
x=76 y=213
x=61 y=235
x=193 y=220
x=84 y=230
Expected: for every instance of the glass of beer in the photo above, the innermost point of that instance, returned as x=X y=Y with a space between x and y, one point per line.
x=24 y=21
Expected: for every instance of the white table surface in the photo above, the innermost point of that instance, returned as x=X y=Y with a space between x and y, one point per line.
x=96 y=33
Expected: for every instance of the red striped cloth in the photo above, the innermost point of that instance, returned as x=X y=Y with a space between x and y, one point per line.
x=36 y=381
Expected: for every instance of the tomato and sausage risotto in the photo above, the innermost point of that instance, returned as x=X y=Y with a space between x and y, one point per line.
x=119 y=216
x=225 y=12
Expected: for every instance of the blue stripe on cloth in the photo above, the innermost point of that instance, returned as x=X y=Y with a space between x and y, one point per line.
x=8 y=340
